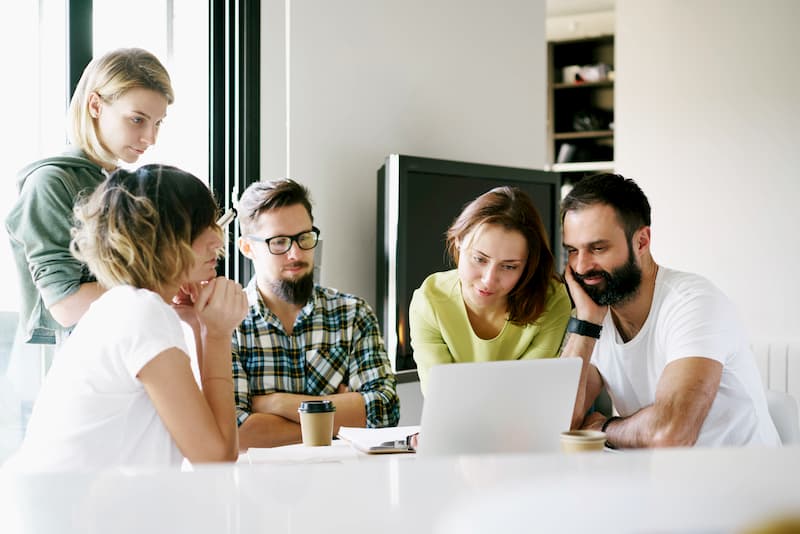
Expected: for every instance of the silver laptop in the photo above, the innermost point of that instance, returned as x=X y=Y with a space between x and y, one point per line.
x=497 y=407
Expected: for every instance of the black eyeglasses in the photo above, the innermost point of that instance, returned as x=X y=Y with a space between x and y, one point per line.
x=280 y=244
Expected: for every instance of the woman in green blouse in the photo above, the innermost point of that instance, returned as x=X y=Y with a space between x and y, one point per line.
x=504 y=301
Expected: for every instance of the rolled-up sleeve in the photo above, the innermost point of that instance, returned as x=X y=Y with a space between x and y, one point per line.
x=371 y=372
x=42 y=223
x=241 y=386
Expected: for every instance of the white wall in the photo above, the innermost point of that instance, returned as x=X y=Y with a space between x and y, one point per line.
x=708 y=122
x=451 y=79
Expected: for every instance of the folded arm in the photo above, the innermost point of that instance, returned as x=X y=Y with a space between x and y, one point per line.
x=684 y=395
x=274 y=419
x=268 y=430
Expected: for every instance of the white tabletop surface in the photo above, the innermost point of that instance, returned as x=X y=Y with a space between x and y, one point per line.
x=689 y=490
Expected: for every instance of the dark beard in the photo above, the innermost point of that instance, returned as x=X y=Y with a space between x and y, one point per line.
x=295 y=292
x=621 y=284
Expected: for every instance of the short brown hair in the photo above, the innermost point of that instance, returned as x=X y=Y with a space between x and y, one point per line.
x=512 y=208
x=268 y=195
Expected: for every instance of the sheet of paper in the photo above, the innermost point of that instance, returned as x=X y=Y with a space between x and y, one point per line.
x=338 y=451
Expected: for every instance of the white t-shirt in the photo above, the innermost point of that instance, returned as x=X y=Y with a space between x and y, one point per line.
x=92 y=411
x=689 y=316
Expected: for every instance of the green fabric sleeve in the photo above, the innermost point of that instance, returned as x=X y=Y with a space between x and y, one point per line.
x=426 y=337
x=552 y=324
x=42 y=222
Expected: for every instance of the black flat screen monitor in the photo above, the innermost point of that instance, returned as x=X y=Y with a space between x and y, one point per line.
x=418 y=199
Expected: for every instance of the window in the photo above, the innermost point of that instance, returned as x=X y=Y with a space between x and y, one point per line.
x=34 y=127
x=37 y=97
x=176 y=31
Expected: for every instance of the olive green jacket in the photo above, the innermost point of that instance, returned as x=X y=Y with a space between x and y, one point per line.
x=39 y=226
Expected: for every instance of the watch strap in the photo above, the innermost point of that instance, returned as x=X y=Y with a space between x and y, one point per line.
x=583 y=328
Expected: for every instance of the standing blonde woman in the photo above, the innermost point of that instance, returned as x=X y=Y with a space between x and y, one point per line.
x=114 y=115
x=122 y=391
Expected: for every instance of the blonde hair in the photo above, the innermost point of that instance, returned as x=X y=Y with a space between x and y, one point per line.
x=111 y=76
x=137 y=228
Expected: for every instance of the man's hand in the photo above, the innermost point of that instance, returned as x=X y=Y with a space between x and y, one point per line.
x=585 y=308
x=281 y=403
x=593 y=421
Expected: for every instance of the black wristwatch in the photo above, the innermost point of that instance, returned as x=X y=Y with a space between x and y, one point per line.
x=605 y=426
x=583 y=328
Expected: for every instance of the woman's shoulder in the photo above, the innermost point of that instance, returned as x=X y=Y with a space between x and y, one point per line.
x=72 y=169
x=557 y=296
x=441 y=285
x=132 y=300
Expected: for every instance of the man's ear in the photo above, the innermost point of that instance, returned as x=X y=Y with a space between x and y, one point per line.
x=641 y=239
x=244 y=247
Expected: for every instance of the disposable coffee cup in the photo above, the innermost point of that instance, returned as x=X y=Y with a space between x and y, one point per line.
x=582 y=440
x=316 y=422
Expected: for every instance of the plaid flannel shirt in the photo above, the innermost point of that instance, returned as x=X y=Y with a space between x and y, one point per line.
x=335 y=340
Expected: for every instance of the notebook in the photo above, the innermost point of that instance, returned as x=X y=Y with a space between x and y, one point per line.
x=498 y=407
x=379 y=440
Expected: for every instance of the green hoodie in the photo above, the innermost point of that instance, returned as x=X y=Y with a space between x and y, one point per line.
x=39 y=227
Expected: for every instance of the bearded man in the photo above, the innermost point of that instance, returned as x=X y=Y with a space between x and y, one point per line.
x=668 y=346
x=301 y=341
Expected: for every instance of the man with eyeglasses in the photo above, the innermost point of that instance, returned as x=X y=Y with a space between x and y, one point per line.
x=301 y=341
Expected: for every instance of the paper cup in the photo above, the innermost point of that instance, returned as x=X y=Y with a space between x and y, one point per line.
x=582 y=440
x=316 y=422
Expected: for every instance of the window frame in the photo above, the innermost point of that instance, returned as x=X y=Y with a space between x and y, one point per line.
x=234 y=102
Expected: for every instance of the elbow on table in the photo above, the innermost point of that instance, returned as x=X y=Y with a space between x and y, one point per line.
x=673 y=436
x=214 y=453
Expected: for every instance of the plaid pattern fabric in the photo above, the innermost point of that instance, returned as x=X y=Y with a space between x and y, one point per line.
x=335 y=340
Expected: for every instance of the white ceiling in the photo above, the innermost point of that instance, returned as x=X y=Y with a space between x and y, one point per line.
x=557 y=8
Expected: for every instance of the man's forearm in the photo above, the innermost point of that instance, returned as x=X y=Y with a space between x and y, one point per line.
x=350 y=407
x=268 y=430
x=577 y=346
x=629 y=432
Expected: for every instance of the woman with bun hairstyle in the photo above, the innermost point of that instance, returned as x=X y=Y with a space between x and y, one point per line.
x=121 y=389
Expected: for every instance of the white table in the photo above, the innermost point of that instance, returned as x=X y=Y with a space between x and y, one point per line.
x=691 y=491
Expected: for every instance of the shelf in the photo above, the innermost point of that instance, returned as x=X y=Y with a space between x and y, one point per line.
x=588 y=104
x=583 y=166
x=584 y=85
x=594 y=134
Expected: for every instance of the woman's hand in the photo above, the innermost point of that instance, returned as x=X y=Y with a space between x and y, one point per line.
x=221 y=305
x=183 y=304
